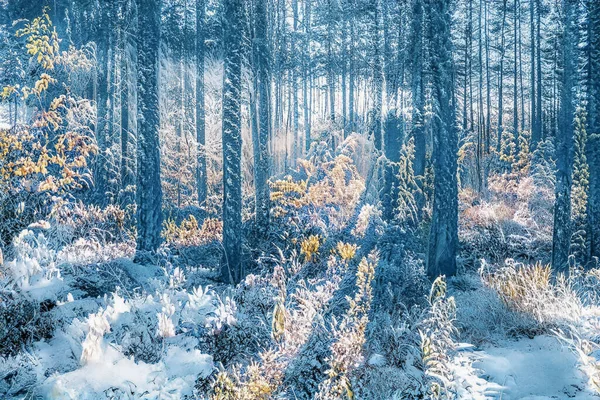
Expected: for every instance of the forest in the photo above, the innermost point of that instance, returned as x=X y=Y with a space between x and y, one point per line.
x=300 y=199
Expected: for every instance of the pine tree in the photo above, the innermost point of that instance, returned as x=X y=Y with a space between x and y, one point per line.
x=564 y=140
x=201 y=171
x=261 y=170
x=443 y=239
x=377 y=71
x=417 y=64
x=522 y=161
x=580 y=188
x=149 y=191
x=231 y=270
x=104 y=37
x=408 y=191
x=393 y=144
x=593 y=145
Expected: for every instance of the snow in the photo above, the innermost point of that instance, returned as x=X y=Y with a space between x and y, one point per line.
x=527 y=369
x=171 y=378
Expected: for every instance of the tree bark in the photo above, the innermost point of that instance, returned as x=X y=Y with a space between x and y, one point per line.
x=564 y=140
x=443 y=239
x=232 y=268
x=149 y=191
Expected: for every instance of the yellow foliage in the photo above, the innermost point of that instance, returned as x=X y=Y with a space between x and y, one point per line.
x=50 y=154
x=42 y=40
x=339 y=185
x=278 y=324
x=189 y=233
x=224 y=387
x=310 y=247
x=514 y=285
x=346 y=251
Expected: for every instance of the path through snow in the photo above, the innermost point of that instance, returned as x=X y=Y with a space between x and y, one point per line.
x=528 y=369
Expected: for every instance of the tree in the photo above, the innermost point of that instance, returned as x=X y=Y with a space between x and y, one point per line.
x=443 y=239
x=593 y=147
x=231 y=267
x=564 y=140
x=201 y=172
x=417 y=64
x=104 y=37
x=262 y=163
x=501 y=79
x=580 y=188
x=377 y=70
x=128 y=103
x=393 y=144
x=149 y=191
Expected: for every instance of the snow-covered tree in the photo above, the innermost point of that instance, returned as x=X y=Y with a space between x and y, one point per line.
x=443 y=239
x=149 y=192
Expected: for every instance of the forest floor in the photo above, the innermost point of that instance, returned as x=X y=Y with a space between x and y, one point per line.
x=533 y=369
x=548 y=352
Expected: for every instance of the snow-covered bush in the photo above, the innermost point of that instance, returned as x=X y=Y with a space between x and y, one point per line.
x=514 y=222
x=48 y=155
x=35 y=262
x=530 y=289
x=98 y=325
x=322 y=197
x=71 y=221
x=437 y=333
x=349 y=336
x=189 y=233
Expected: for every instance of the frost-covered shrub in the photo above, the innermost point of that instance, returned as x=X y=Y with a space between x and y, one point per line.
x=367 y=216
x=74 y=220
x=22 y=321
x=482 y=316
x=295 y=309
x=189 y=233
x=322 y=197
x=34 y=263
x=85 y=252
x=530 y=289
x=437 y=333
x=48 y=155
x=401 y=277
x=515 y=222
x=349 y=336
x=234 y=331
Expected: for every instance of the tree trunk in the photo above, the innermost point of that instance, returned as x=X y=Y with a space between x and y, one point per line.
x=593 y=145
x=261 y=171
x=535 y=129
x=564 y=140
x=307 y=87
x=443 y=239
x=128 y=110
x=377 y=77
x=501 y=80
x=232 y=269
x=149 y=191
x=418 y=88
x=201 y=170
x=515 y=73
x=296 y=147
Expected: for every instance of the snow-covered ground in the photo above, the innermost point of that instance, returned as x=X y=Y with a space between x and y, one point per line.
x=530 y=369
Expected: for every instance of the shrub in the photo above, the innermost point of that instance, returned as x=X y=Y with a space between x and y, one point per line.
x=189 y=233
x=49 y=155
